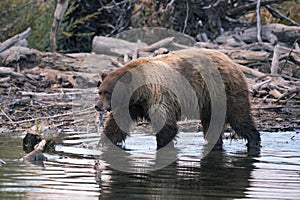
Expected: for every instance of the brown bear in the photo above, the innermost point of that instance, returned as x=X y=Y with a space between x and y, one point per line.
x=191 y=83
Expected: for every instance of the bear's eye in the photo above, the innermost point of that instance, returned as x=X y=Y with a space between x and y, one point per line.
x=107 y=94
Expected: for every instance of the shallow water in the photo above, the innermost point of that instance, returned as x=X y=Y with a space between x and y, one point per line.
x=69 y=173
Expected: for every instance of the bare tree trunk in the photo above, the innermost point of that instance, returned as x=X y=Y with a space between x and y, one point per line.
x=60 y=10
x=258 y=21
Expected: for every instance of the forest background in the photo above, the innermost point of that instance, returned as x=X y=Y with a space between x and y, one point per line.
x=86 y=18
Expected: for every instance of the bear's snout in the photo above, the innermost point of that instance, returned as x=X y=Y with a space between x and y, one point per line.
x=98 y=107
x=101 y=107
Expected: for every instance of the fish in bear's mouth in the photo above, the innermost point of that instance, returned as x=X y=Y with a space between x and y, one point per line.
x=100 y=115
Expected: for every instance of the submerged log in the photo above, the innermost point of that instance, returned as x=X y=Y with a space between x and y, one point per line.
x=37 y=154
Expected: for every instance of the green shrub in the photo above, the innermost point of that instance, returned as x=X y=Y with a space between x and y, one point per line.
x=18 y=15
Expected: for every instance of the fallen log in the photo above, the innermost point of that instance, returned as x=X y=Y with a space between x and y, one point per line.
x=270 y=32
x=250 y=71
x=108 y=46
x=248 y=56
x=7 y=71
x=5 y=79
x=15 y=39
x=295 y=90
x=52 y=96
x=275 y=93
x=162 y=43
x=258 y=46
x=256 y=87
x=14 y=56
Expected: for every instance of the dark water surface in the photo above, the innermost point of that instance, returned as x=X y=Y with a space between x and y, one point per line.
x=228 y=174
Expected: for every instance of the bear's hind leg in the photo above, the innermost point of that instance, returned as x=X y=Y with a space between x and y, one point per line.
x=244 y=126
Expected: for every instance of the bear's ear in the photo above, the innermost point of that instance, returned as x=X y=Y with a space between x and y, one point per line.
x=98 y=84
x=126 y=77
x=103 y=75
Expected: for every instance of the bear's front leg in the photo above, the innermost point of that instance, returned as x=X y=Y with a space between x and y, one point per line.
x=166 y=135
x=112 y=131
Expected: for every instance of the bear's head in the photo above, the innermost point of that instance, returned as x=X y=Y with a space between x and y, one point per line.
x=106 y=86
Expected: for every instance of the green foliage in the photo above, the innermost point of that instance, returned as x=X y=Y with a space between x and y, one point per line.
x=18 y=15
x=73 y=29
x=81 y=22
x=293 y=8
x=86 y=18
x=149 y=13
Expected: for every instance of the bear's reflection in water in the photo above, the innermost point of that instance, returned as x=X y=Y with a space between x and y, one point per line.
x=216 y=176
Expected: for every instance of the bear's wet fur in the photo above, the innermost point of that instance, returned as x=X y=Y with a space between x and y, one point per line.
x=165 y=101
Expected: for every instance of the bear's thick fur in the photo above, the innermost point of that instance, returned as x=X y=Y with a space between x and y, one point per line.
x=168 y=88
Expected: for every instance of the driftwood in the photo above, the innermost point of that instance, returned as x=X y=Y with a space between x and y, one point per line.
x=15 y=56
x=275 y=93
x=5 y=71
x=141 y=42
x=288 y=93
x=270 y=33
x=250 y=71
x=113 y=46
x=275 y=61
x=119 y=47
x=246 y=57
x=17 y=39
x=162 y=43
x=261 y=85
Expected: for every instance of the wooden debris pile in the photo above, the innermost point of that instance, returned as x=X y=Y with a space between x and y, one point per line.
x=276 y=58
x=36 y=87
